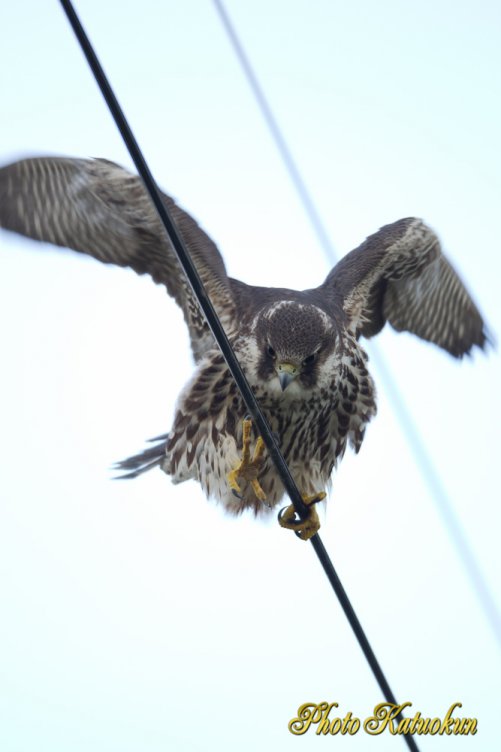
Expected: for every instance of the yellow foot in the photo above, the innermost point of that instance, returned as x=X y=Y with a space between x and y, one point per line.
x=304 y=529
x=248 y=468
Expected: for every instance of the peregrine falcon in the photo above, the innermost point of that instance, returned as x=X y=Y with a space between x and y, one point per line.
x=300 y=350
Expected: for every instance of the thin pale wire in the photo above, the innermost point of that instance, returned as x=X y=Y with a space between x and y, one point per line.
x=422 y=458
x=220 y=336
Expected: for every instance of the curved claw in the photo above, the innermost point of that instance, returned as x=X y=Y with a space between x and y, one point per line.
x=262 y=498
x=307 y=528
x=281 y=512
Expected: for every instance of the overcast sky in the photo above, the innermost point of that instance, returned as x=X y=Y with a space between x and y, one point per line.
x=136 y=616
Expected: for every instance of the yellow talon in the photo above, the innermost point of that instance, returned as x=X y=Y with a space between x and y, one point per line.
x=304 y=529
x=248 y=468
x=256 y=486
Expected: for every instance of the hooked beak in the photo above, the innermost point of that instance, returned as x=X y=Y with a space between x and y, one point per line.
x=286 y=372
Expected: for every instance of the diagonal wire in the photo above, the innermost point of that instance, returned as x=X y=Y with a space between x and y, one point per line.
x=422 y=458
x=222 y=340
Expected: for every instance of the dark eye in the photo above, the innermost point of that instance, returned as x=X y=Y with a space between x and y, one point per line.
x=271 y=352
x=309 y=360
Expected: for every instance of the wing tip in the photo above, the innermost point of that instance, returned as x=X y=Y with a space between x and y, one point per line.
x=140 y=463
x=485 y=340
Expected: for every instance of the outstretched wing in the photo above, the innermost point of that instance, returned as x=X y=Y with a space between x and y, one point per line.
x=400 y=275
x=98 y=208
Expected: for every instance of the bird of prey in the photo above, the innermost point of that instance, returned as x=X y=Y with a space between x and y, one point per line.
x=301 y=351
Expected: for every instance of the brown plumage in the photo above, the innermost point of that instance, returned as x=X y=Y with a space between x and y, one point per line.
x=300 y=350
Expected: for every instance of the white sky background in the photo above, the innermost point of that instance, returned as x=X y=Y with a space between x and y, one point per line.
x=136 y=615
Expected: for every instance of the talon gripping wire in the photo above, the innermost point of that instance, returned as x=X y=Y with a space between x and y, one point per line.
x=226 y=349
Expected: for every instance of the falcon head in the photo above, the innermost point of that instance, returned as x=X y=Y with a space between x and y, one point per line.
x=294 y=341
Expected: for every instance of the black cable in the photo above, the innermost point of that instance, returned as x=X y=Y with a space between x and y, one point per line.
x=422 y=458
x=224 y=344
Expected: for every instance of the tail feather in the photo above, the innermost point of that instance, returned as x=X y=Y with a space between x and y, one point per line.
x=144 y=461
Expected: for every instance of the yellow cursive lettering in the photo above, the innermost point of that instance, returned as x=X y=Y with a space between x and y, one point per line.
x=309 y=713
x=384 y=716
x=387 y=716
